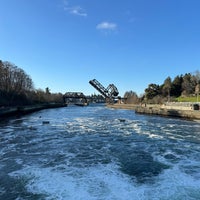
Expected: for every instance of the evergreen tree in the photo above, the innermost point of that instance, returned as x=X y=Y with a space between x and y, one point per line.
x=176 y=89
x=166 y=89
x=152 y=91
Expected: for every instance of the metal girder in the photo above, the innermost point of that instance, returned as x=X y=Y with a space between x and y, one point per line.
x=74 y=95
x=71 y=96
x=110 y=92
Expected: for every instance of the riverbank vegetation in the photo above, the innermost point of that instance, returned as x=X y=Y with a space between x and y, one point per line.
x=181 y=88
x=17 y=88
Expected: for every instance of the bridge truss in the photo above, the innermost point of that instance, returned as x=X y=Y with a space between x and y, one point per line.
x=75 y=98
x=110 y=93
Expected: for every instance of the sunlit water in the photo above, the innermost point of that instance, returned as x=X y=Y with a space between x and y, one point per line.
x=96 y=153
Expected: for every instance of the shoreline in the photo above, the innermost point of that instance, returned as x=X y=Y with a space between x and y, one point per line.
x=182 y=112
x=22 y=110
x=123 y=106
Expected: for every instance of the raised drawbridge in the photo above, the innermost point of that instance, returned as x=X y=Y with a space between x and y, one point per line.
x=110 y=93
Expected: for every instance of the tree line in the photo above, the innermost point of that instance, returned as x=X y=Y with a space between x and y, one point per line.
x=182 y=85
x=17 y=88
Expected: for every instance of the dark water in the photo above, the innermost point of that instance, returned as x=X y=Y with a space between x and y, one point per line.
x=96 y=153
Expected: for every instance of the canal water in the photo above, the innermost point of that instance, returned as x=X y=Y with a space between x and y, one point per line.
x=97 y=153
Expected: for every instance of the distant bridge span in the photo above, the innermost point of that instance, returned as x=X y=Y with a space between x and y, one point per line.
x=74 y=97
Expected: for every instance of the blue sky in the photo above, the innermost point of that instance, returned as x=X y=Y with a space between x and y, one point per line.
x=62 y=44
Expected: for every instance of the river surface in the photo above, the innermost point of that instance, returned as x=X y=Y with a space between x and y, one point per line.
x=97 y=153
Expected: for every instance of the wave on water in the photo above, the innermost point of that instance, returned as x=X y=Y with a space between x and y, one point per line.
x=106 y=182
x=96 y=153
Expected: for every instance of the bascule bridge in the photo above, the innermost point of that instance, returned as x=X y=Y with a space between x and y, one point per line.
x=110 y=93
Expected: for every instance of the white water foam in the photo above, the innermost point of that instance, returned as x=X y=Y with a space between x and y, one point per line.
x=175 y=184
x=151 y=133
x=101 y=182
x=107 y=182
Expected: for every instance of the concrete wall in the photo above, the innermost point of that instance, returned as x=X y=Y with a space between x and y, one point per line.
x=182 y=110
x=189 y=114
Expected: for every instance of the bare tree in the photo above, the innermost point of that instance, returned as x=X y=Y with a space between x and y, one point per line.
x=14 y=83
x=197 y=90
x=189 y=84
x=131 y=97
x=197 y=75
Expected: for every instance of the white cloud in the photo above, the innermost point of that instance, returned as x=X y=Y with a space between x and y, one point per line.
x=107 y=26
x=75 y=10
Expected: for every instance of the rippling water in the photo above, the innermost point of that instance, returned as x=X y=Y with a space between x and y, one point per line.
x=96 y=153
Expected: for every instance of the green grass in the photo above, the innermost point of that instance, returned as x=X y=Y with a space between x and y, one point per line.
x=188 y=99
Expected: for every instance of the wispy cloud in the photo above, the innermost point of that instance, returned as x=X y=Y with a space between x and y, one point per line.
x=75 y=10
x=107 y=26
x=131 y=19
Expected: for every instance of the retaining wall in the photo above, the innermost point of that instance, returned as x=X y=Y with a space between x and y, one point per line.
x=184 y=110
